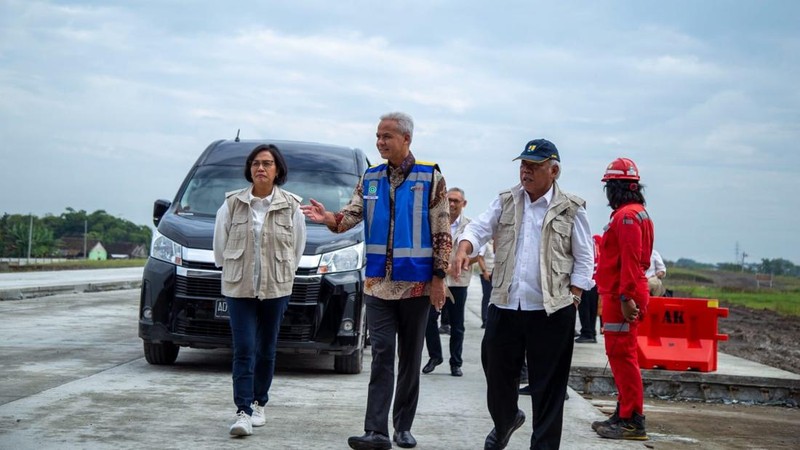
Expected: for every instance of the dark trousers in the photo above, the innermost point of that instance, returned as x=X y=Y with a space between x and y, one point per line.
x=486 y=285
x=445 y=317
x=587 y=312
x=548 y=341
x=456 y=313
x=395 y=326
x=254 y=326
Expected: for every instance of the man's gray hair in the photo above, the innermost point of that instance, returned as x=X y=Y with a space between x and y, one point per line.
x=459 y=190
x=553 y=162
x=405 y=123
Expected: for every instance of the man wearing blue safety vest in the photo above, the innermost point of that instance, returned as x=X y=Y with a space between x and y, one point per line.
x=403 y=205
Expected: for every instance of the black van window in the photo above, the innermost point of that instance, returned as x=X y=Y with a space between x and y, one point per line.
x=206 y=190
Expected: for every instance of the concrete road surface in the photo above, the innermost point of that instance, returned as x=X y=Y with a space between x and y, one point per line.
x=72 y=375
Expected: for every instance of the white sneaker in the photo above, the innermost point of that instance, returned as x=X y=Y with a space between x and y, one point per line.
x=258 y=418
x=243 y=425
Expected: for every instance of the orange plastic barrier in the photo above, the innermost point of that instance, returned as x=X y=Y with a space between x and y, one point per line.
x=680 y=334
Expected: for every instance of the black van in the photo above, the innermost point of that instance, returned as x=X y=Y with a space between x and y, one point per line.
x=181 y=302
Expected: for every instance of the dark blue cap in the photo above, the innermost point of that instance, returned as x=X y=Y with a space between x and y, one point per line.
x=539 y=150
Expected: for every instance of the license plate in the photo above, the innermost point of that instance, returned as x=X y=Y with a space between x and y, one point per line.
x=221 y=309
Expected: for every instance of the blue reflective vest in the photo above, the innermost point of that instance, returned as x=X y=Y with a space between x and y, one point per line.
x=412 y=243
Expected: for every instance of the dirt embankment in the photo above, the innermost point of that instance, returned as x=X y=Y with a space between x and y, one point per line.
x=763 y=336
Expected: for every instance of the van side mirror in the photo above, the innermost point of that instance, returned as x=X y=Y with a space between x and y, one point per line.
x=159 y=208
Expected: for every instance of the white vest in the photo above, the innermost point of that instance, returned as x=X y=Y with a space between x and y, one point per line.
x=278 y=263
x=555 y=250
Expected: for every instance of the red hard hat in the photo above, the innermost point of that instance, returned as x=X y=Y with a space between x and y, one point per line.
x=621 y=169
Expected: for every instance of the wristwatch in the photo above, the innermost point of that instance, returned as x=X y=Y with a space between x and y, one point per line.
x=439 y=273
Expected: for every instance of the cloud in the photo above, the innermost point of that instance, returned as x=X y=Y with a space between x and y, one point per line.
x=120 y=100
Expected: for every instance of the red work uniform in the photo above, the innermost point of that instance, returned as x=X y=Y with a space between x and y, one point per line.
x=624 y=257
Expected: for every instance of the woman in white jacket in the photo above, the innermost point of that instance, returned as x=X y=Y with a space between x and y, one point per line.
x=259 y=238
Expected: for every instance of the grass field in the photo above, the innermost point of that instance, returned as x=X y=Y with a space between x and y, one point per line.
x=738 y=288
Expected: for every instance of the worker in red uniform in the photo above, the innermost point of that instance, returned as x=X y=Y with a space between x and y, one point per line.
x=624 y=257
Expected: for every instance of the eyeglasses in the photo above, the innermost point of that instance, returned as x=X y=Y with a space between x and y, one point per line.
x=265 y=164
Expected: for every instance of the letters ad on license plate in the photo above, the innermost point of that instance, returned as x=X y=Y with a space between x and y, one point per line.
x=221 y=309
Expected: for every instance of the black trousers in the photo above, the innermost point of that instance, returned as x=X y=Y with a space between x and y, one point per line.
x=456 y=312
x=486 y=287
x=548 y=342
x=587 y=313
x=395 y=326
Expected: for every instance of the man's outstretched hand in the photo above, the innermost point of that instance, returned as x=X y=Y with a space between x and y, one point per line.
x=315 y=211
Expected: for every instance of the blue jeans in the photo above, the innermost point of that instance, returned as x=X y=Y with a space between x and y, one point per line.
x=254 y=325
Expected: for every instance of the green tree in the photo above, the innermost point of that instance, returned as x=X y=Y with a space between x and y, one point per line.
x=778 y=266
x=48 y=230
x=41 y=238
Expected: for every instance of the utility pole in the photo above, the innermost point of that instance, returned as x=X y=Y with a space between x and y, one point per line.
x=30 y=238
x=85 y=229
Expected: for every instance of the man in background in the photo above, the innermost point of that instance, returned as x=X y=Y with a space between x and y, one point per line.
x=454 y=308
x=655 y=273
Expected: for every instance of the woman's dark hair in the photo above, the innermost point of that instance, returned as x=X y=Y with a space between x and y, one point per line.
x=621 y=192
x=280 y=163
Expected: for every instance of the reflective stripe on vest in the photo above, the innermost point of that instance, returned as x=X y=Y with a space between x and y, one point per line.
x=617 y=327
x=412 y=252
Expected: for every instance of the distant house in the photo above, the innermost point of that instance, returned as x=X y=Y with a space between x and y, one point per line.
x=72 y=247
x=126 y=250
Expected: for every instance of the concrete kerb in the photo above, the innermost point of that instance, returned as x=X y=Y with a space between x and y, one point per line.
x=43 y=291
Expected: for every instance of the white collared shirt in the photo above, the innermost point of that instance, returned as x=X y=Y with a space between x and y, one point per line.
x=454 y=226
x=656 y=265
x=526 y=285
x=258 y=213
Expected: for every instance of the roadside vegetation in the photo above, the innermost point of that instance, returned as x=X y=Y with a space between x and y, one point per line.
x=738 y=288
x=52 y=236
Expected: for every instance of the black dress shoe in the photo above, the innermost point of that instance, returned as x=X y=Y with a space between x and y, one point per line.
x=586 y=340
x=371 y=440
x=525 y=390
x=432 y=363
x=456 y=371
x=404 y=439
x=495 y=441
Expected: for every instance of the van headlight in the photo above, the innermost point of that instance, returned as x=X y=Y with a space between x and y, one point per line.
x=165 y=249
x=342 y=260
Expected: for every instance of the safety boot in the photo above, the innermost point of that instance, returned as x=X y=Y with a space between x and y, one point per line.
x=610 y=421
x=629 y=429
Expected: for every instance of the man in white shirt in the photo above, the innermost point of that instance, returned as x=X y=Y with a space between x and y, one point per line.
x=544 y=255
x=655 y=273
x=455 y=308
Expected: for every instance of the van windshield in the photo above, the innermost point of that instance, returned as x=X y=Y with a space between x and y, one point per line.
x=206 y=189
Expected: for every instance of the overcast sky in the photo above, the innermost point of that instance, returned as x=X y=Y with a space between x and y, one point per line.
x=106 y=105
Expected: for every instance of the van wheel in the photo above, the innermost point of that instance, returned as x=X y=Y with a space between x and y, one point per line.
x=349 y=364
x=163 y=353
